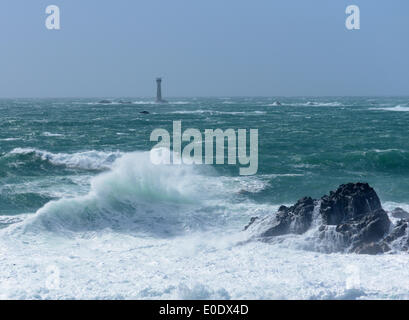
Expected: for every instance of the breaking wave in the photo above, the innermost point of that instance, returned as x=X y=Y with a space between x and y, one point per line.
x=214 y=112
x=87 y=160
x=320 y=104
x=388 y=160
x=307 y=104
x=398 y=108
x=134 y=196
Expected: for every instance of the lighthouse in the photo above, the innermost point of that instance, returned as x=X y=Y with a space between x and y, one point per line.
x=159 y=91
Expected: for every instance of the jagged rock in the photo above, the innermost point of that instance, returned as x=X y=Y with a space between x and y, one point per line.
x=370 y=228
x=144 y=112
x=399 y=213
x=352 y=219
x=350 y=202
x=105 y=102
x=399 y=232
x=296 y=219
x=357 y=212
x=357 y=233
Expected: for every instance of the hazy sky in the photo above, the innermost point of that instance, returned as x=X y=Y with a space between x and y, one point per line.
x=203 y=48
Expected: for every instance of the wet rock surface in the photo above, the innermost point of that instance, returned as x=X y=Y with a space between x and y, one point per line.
x=295 y=219
x=349 y=202
x=352 y=216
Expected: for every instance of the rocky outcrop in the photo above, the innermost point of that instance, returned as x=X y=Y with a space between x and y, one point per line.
x=357 y=212
x=296 y=219
x=352 y=214
x=399 y=236
x=350 y=202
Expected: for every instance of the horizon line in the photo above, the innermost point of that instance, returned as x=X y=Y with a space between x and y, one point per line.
x=212 y=96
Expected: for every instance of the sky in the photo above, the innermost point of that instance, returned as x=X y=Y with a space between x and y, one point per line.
x=204 y=48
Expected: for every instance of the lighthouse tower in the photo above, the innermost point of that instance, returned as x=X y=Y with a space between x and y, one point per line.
x=159 y=91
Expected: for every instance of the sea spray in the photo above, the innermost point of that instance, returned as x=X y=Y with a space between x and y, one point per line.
x=134 y=195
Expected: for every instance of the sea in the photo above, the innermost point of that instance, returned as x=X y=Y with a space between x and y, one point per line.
x=85 y=214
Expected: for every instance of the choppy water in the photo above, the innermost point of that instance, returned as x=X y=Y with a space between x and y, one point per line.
x=79 y=195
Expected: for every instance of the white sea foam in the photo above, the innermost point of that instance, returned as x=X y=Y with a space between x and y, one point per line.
x=89 y=160
x=145 y=232
x=179 y=102
x=134 y=196
x=199 y=111
x=398 y=108
x=200 y=266
x=144 y=102
x=274 y=104
x=310 y=104
x=215 y=112
x=10 y=139
x=49 y=134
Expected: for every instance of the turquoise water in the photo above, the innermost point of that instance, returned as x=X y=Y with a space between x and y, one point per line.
x=307 y=146
x=80 y=201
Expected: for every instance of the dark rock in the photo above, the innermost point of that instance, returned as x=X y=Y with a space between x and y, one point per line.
x=350 y=202
x=399 y=213
x=105 y=102
x=399 y=234
x=372 y=248
x=356 y=211
x=352 y=220
x=398 y=231
x=373 y=227
x=144 y=112
x=296 y=219
x=370 y=228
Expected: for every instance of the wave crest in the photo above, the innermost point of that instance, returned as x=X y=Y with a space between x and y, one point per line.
x=135 y=195
x=87 y=160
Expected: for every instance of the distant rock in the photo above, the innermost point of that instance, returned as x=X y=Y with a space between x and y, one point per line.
x=144 y=112
x=399 y=213
x=105 y=102
x=352 y=217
